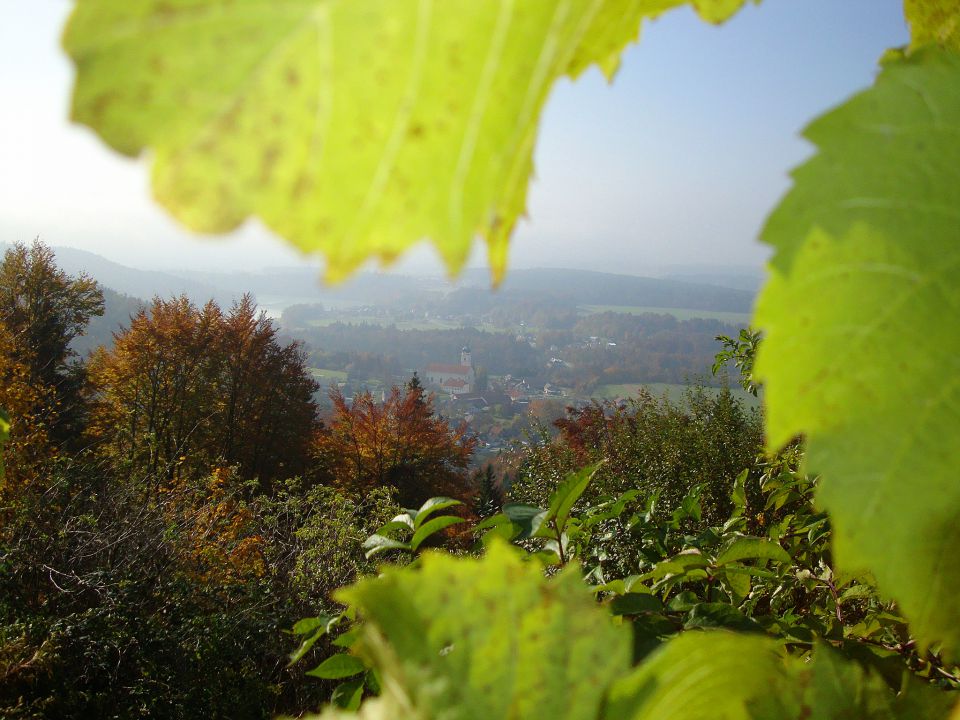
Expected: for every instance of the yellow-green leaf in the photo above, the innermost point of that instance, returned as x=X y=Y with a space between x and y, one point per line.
x=490 y=638
x=720 y=675
x=934 y=22
x=382 y=708
x=862 y=322
x=715 y=675
x=354 y=129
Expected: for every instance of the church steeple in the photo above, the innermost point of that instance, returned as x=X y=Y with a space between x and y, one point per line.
x=465 y=359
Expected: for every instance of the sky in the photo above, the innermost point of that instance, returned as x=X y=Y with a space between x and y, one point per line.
x=676 y=163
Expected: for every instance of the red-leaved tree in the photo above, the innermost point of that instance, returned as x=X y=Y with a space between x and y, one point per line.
x=399 y=442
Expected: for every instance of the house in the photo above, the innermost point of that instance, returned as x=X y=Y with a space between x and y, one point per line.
x=518 y=394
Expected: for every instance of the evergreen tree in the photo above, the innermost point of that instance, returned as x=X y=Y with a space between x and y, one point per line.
x=489 y=499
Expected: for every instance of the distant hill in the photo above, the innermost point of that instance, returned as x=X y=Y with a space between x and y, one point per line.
x=579 y=287
x=750 y=281
x=142 y=284
x=304 y=285
x=117 y=311
x=277 y=288
x=582 y=287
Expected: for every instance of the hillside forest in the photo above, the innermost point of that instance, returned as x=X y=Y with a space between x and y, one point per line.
x=177 y=514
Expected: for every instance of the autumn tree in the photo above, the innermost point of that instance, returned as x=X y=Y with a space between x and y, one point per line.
x=43 y=310
x=186 y=389
x=268 y=411
x=31 y=409
x=399 y=443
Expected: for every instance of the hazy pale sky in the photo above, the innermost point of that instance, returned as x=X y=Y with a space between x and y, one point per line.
x=677 y=162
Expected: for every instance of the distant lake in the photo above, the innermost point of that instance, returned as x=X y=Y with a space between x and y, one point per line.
x=274 y=305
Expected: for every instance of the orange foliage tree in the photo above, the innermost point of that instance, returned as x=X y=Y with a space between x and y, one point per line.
x=217 y=543
x=399 y=443
x=186 y=389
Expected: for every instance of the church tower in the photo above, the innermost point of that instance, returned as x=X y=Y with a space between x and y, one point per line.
x=465 y=357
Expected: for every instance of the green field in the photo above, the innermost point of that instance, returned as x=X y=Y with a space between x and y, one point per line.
x=328 y=376
x=673 y=392
x=679 y=313
x=386 y=322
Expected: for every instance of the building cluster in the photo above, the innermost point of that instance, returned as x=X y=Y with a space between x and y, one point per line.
x=453 y=379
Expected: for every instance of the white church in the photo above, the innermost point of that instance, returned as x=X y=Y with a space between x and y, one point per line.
x=453 y=379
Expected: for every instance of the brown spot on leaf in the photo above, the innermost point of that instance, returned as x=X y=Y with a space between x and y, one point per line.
x=301 y=186
x=99 y=107
x=268 y=161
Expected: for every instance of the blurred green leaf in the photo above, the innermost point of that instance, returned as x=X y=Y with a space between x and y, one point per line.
x=354 y=129
x=489 y=638
x=709 y=676
x=862 y=324
x=933 y=21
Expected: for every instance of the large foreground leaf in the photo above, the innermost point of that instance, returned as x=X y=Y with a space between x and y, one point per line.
x=716 y=676
x=862 y=322
x=489 y=639
x=934 y=22
x=351 y=127
x=724 y=676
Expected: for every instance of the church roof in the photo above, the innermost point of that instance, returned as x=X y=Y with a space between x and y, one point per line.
x=453 y=382
x=449 y=369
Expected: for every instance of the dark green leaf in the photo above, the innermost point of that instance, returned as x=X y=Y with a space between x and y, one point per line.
x=683 y=602
x=431 y=506
x=347 y=639
x=433 y=526
x=378 y=543
x=302 y=627
x=337 y=666
x=635 y=603
x=566 y=496
x=347 y=695
x=527 y=518
x=752 y=548
x=719 y=615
